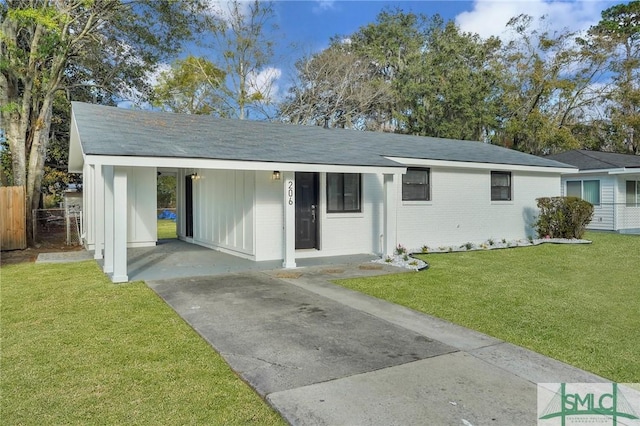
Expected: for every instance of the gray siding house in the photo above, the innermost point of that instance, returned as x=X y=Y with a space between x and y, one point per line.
x=611 y=182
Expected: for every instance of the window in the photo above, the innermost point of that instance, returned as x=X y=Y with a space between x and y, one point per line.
x=500 y=186
x=343 y=192
x=415 y=185
x=588 y=190
x=633 y=193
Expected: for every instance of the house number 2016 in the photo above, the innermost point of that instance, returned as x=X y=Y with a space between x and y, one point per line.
x=290 y=192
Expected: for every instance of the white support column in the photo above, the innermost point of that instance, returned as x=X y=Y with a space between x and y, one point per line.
x=390 y=214
x=107 y=174
x=98 y=211
x=289 y=220
x=120 y=217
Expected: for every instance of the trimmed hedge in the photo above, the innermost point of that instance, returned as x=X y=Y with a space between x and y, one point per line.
x=563 y=217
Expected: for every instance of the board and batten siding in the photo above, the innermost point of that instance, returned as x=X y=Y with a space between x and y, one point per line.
x=141 y=206
x=223 y=210
x=142 y=197
x=461 y=209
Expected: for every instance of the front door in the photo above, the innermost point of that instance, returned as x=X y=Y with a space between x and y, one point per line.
x=307 y=185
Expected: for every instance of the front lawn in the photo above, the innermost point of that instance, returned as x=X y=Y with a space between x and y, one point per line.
x=77 y=349
x=576 y=303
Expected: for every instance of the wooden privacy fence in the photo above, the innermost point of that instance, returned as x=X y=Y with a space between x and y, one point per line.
x=13 y=233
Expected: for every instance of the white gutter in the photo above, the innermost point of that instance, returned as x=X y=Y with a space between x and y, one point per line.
x=483 y=166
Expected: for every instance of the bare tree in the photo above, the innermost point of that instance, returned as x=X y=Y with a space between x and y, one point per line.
x=336 y=88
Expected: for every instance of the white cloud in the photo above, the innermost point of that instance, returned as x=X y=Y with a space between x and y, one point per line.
x=489 y=17
x=222 y=8
x=323 y=5
x=265 y=82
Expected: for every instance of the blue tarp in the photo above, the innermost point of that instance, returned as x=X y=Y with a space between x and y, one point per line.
x=167 y=214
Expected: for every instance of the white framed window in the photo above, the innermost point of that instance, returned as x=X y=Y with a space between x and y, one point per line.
x=501 y=186
x=416 y=184
x=588 y=190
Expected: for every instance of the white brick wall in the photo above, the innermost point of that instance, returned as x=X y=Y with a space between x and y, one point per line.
x=352 y=233
x=461 y=209
x=269 y=221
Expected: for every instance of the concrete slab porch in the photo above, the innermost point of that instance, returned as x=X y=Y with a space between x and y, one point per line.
x=174 y=258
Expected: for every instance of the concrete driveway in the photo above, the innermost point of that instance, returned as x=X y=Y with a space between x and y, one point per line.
x=324 y=355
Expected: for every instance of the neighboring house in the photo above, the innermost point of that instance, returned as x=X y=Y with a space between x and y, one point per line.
x=267 y=191
x=608 y=180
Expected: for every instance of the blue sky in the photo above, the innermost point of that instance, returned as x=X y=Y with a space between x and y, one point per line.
x=306 y=26
x=309 y=24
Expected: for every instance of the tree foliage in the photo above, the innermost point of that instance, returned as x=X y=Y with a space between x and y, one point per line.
x=51 y=46
x=191 y=86
x=547 y=88
x=540 y=92
x=618 y=33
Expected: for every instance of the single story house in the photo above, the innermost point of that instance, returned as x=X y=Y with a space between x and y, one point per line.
x=608 y=180
x=269 y=191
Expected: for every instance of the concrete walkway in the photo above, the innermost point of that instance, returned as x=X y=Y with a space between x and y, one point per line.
x=324 y=355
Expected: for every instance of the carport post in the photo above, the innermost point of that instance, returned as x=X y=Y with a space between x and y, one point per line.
x=289 y=220
x=98 y=211
x=107 y=266
x=390 y=214
x=120 y=213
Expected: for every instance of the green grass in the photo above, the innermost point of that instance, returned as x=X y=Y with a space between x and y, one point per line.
x=166 y=229
x=577 y=303
x=77 y=349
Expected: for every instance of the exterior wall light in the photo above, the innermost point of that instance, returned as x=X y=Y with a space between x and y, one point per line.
x=275 y=175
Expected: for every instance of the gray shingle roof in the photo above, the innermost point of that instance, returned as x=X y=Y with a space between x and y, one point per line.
x=596 y=160
x=123 y=132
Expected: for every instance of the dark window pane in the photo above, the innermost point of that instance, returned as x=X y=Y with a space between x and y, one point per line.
x=500 y=186
x=574 y=189
x=343 y=192
x=633 y=189
x=415 y=185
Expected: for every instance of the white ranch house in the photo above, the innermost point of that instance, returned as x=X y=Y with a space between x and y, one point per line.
x=611 y=182
x=272 y=191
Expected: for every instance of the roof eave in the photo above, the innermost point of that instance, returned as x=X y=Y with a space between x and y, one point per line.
x=204 y=163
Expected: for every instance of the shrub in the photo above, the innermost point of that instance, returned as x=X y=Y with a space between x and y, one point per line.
x=401 y=249
x=563 y=217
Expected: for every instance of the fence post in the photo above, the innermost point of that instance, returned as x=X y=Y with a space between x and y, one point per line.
x=34 y=224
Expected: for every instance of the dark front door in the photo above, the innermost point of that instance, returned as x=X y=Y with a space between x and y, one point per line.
x=307 y=210
x=188 y=206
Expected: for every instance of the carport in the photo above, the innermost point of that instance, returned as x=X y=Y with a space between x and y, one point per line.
x=174 y=258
